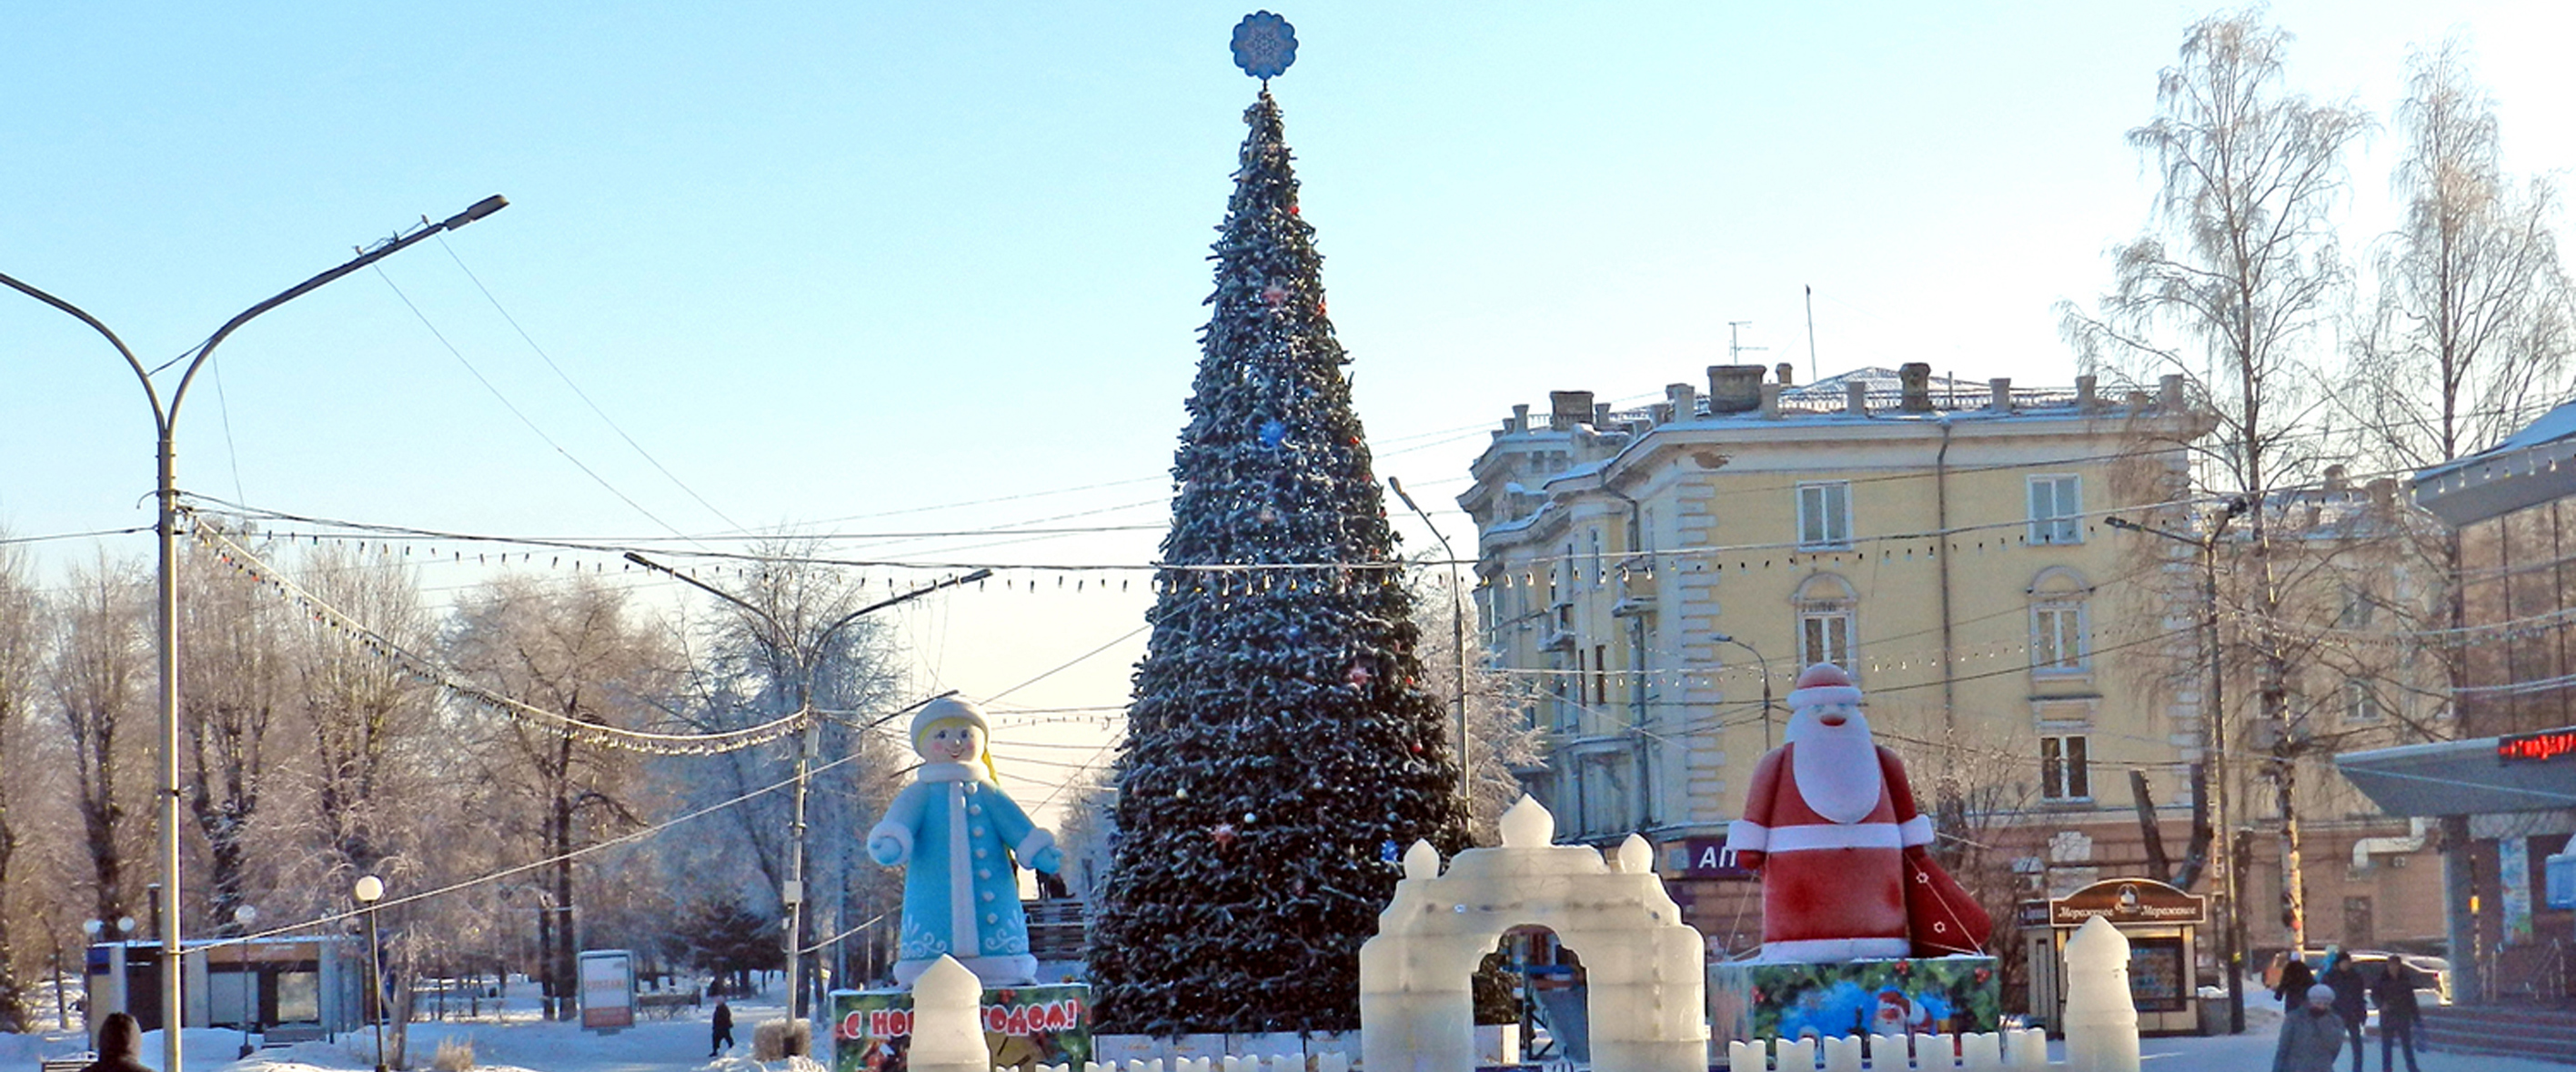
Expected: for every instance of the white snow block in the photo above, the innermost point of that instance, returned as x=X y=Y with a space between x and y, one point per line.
x=1981 y=1051
x=1795 y=1055
x=2101 y=1018
x=1332 y=1061
x=1648 y=982
x=1199 y=1047
x=946 y=1036
x=1842 y=1054
x=1742 y=1056
x=2025 y=1048
x=1932 y=1053
x=1887 y=1051
x=1190 y=1064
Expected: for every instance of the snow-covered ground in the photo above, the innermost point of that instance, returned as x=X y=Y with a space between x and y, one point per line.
x=515 y=1039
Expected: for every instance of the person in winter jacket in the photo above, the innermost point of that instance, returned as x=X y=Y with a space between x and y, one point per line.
x=2348 y=1003
x=959 y=838
x=2311 y=1034
x=721 y=1030
x=118 y=1038
x=2295 y=981
x=2398 y=1014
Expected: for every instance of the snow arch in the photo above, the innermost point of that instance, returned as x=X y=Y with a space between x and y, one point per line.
x=1648 y=982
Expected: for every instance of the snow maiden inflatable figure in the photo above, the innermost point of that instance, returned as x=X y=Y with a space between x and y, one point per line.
x=962 y=841
x=1831 y=824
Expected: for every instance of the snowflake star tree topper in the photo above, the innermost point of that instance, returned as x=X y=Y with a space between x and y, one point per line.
x=1264 y=45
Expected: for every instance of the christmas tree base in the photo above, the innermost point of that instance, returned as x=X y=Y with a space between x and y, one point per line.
x=1024 y=1026
x=1946 y=995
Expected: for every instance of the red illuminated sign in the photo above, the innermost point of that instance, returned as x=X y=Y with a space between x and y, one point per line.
x=2536 y=747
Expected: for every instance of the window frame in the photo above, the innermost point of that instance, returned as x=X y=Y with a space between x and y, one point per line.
x=2063 y=524
x=1832 y=512
x=2063 y=769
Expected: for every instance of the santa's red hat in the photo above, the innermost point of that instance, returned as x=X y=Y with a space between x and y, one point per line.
x=1823 y=683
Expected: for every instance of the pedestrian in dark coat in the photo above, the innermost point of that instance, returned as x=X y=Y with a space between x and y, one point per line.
x=2292 y=990
x=118 y=1039
x=2398 y=1014
x=2311 y=1034
x=723 y=1025
x=2349 y=1003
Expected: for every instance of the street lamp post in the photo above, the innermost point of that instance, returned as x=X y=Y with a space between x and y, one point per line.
x=2222 y=849
x=97 y=930
x=370 y=890
x=792 y=891
x=1457 y=641
x=246 y=917
x=165 y=530
x=1765 y=664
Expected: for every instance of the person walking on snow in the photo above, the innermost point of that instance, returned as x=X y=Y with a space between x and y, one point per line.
x=118 y=1039
x=2348 y=1003
x=2394 y=990
x=722 y=1027
x=2311 y=1035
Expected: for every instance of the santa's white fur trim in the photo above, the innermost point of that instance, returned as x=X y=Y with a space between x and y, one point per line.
x=1835 y=836
x=1037 y=841
x=1832 y=950
x=1823 y=694
x=1745 y=835
x=949 y=772
x=1918 y=830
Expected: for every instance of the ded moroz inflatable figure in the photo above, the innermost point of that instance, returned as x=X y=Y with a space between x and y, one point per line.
x=1832 y=826
x=960 y=835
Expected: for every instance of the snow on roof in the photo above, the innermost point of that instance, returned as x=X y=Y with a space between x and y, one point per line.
x=2550 y=427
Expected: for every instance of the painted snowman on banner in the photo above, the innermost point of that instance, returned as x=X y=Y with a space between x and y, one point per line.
x=958 y=836
x=1832 y=826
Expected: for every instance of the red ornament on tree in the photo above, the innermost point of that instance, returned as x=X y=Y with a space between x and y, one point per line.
x=1224 y=835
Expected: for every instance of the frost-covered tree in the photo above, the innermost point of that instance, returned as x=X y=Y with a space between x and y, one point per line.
x=1282 y=746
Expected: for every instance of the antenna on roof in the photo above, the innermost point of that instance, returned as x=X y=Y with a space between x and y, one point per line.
x=1735 y=342
x=1812 y=374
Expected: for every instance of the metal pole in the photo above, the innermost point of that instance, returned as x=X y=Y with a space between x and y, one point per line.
x=165 y=533
x=376 y=984
x=1457 y=643
x=1765 y=664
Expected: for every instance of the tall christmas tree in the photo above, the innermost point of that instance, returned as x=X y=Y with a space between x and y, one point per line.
x=1281 y=747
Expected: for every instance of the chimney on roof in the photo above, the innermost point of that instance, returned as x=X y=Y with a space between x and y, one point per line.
x=2383 y=494
x=2086 y=388
x=1856 y=397
x=1520 y=417
x=1771 y=400
x=2000 y=400
x=1684 y=399
x=1565 y=409
x=1784 y=371
x=1601 y=415
x=2338 y=479
x=2169 y=391
x=1914 y=382
x=1734 y=388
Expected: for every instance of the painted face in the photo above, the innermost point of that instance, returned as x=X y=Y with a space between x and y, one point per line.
x=952 y=742
x=1835 y=714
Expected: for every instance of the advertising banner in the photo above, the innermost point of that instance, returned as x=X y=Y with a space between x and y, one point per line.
x=1024 y=1026
x=1754 y=1000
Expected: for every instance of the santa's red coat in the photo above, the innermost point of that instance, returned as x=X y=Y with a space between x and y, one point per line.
x=1823 y=881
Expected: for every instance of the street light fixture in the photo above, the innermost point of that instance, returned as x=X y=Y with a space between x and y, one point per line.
x=245 y=917
x=165 y=419
x=1457 y=641
x=2222 y=847
x=1765 y=664
x=370 y=890
x=792 y=892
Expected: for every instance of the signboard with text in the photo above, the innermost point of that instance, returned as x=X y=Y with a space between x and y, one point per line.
x=1703 y=857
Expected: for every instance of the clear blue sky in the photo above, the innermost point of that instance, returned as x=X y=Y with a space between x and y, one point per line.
x=844 y=267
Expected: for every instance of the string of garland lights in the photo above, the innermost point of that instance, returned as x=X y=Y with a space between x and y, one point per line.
x=257 y=570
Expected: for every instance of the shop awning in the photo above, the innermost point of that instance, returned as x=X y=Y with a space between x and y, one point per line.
x=2472 y=777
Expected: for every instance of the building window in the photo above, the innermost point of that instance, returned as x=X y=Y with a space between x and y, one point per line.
x=2056 y=510
x=2357 y=608
x=1600 y=675
x=2058 y=625
x=1824 y=605
x=2361 y=702
x=1824 y=514
x=2063 y=774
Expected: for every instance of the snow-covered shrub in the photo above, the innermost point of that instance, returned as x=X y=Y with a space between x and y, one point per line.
x=776 y=1039
x=454 y=1055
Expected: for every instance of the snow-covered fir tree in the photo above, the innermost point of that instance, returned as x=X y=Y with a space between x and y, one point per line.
x=1281 y=745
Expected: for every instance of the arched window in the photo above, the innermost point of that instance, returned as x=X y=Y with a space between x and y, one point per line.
x=2060 y=634
x=1825 y=606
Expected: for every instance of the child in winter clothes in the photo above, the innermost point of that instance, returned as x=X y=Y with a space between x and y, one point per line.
x=2311 y=1035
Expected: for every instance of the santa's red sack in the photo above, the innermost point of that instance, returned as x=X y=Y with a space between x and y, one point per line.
x=1939 y=912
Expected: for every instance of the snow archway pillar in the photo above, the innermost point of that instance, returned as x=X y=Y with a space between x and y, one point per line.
x=1647 y=980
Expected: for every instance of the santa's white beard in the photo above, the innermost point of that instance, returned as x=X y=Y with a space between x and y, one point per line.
x=1836 y=767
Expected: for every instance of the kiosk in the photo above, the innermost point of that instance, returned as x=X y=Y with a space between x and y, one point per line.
x=2160 y=923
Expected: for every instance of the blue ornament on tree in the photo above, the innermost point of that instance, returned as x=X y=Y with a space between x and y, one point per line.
x=1264 y=45
x=1273 y=433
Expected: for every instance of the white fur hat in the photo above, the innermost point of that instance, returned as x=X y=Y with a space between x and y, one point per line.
x=947 y=707
x=1823 y=683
